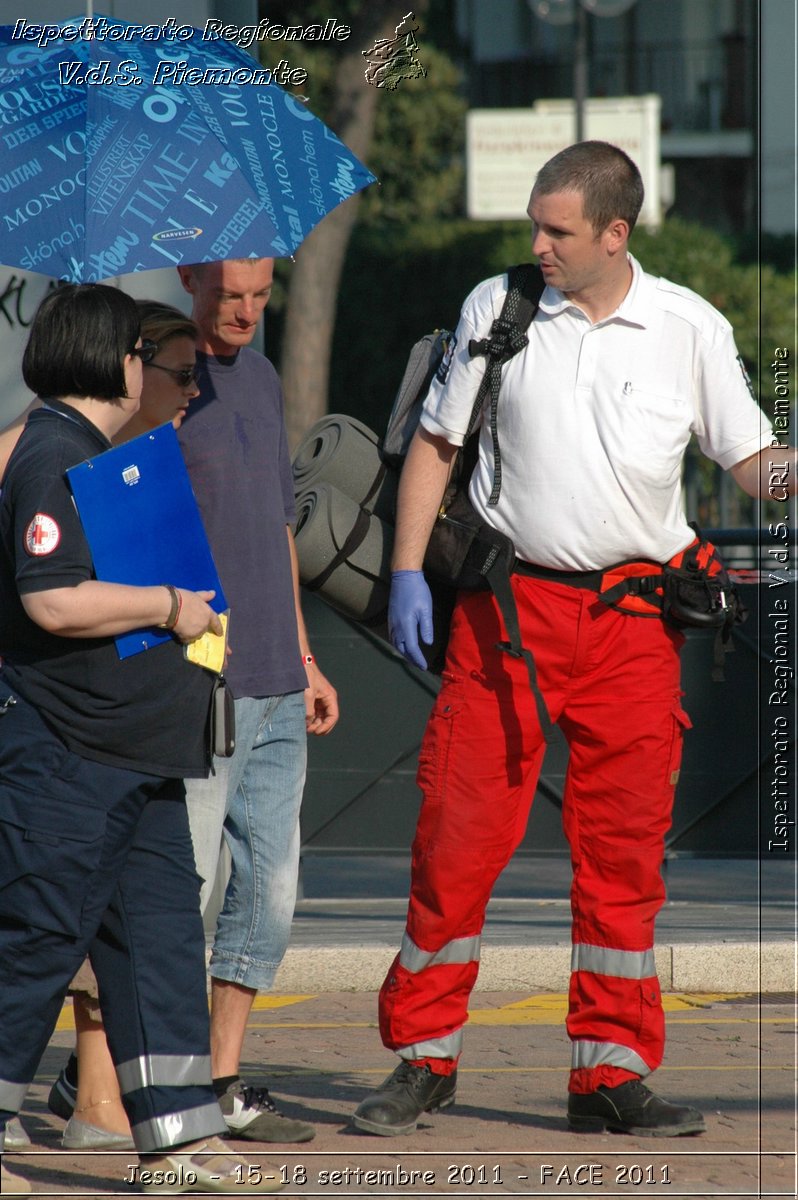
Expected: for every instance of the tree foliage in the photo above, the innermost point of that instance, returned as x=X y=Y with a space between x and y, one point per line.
x=313 y=286
x=418 y=149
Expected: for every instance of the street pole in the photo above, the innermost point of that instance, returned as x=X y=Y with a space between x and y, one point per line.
x=580 y=71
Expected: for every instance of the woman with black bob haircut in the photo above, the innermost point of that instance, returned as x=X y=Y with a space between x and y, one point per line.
x=95 y=852
x=79 y=340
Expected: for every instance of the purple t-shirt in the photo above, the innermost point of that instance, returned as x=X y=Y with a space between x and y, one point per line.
x=234 y=443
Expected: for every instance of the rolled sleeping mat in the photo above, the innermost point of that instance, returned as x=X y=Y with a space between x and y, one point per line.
x=344 y=554
x=344 y=453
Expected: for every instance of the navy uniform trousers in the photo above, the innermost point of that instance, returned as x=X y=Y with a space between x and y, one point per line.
x=98 y=859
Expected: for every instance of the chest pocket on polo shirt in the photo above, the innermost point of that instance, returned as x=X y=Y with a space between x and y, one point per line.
x=654 y=430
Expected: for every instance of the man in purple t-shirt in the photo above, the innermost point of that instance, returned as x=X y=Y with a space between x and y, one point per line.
x=235 y=447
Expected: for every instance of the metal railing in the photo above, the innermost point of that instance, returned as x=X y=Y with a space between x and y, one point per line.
x=757 y=549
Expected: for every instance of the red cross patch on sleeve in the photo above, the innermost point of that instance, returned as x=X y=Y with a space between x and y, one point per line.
x=42 y=535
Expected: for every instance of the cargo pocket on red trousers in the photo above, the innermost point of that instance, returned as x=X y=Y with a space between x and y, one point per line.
x=435 y=757
x=435 y=753
x=680 y=722
x=651 y=1032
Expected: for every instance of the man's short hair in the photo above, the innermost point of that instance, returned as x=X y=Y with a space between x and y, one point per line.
x=200 y=268
x=78 y=342
x=606 y=177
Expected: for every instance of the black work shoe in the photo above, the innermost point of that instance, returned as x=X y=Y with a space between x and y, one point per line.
x=400 y=1100
x=631 y=1108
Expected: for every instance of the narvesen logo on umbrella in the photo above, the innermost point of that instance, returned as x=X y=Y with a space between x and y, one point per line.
x=176 y=235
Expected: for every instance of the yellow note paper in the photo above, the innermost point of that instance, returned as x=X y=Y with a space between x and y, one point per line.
x=209 y=651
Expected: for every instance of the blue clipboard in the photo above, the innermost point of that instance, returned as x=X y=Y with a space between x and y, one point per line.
x=142 y=523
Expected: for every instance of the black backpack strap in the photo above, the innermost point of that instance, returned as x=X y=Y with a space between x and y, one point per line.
x=498 y=577
x=507 y=336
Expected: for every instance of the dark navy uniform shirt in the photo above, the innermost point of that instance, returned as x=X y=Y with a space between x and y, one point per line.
x=148 y=712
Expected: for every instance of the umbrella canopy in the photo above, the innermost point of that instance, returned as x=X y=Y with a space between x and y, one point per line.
x=137 y=147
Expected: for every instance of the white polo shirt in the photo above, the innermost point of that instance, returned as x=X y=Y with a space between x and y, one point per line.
x=594 y=420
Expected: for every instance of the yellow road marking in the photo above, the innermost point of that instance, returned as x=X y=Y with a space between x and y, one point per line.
x=547 y=1008
x=518 y=1022
x=66 y=1020
x=262 y=1002
x=671 y=1001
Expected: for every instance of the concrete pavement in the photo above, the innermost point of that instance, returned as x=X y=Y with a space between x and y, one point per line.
x=728 y=925
x=726 y=953
x=506 y=1135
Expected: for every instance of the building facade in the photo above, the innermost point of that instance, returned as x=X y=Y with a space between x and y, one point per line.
x=724 y=70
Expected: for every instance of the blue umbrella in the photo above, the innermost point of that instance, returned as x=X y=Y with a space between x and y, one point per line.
x=143 y=147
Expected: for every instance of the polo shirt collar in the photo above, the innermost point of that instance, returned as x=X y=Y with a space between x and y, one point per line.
x=634 y=309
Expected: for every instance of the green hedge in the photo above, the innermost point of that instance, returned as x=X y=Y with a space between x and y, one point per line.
x=397 y=287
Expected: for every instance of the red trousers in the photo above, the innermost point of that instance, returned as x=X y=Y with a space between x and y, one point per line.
x=611 y=681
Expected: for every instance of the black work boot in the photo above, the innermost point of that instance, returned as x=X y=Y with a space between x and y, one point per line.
x=631 y=1108
x=400 y=1100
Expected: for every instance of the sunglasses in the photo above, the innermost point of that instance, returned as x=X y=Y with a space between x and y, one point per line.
x=146 y=351
x=185 y=376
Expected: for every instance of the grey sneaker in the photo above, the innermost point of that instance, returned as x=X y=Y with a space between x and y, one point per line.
x=251 y=1113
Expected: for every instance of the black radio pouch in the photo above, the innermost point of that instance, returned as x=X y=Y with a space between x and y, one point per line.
x=222 y=720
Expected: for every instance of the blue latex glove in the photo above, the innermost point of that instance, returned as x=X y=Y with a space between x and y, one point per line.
x=410 y=613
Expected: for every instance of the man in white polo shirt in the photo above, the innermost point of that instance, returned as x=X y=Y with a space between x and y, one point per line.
x=594 y=418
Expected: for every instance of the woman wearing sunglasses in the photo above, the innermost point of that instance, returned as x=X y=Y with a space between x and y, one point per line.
x=95 y=853
x=169 y=357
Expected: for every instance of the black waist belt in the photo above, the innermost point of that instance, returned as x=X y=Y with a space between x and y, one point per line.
x=591 y=580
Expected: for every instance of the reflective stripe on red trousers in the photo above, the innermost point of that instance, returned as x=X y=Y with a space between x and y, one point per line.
x=611 y=681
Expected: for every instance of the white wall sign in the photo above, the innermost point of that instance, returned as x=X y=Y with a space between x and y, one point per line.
x=506 y=147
